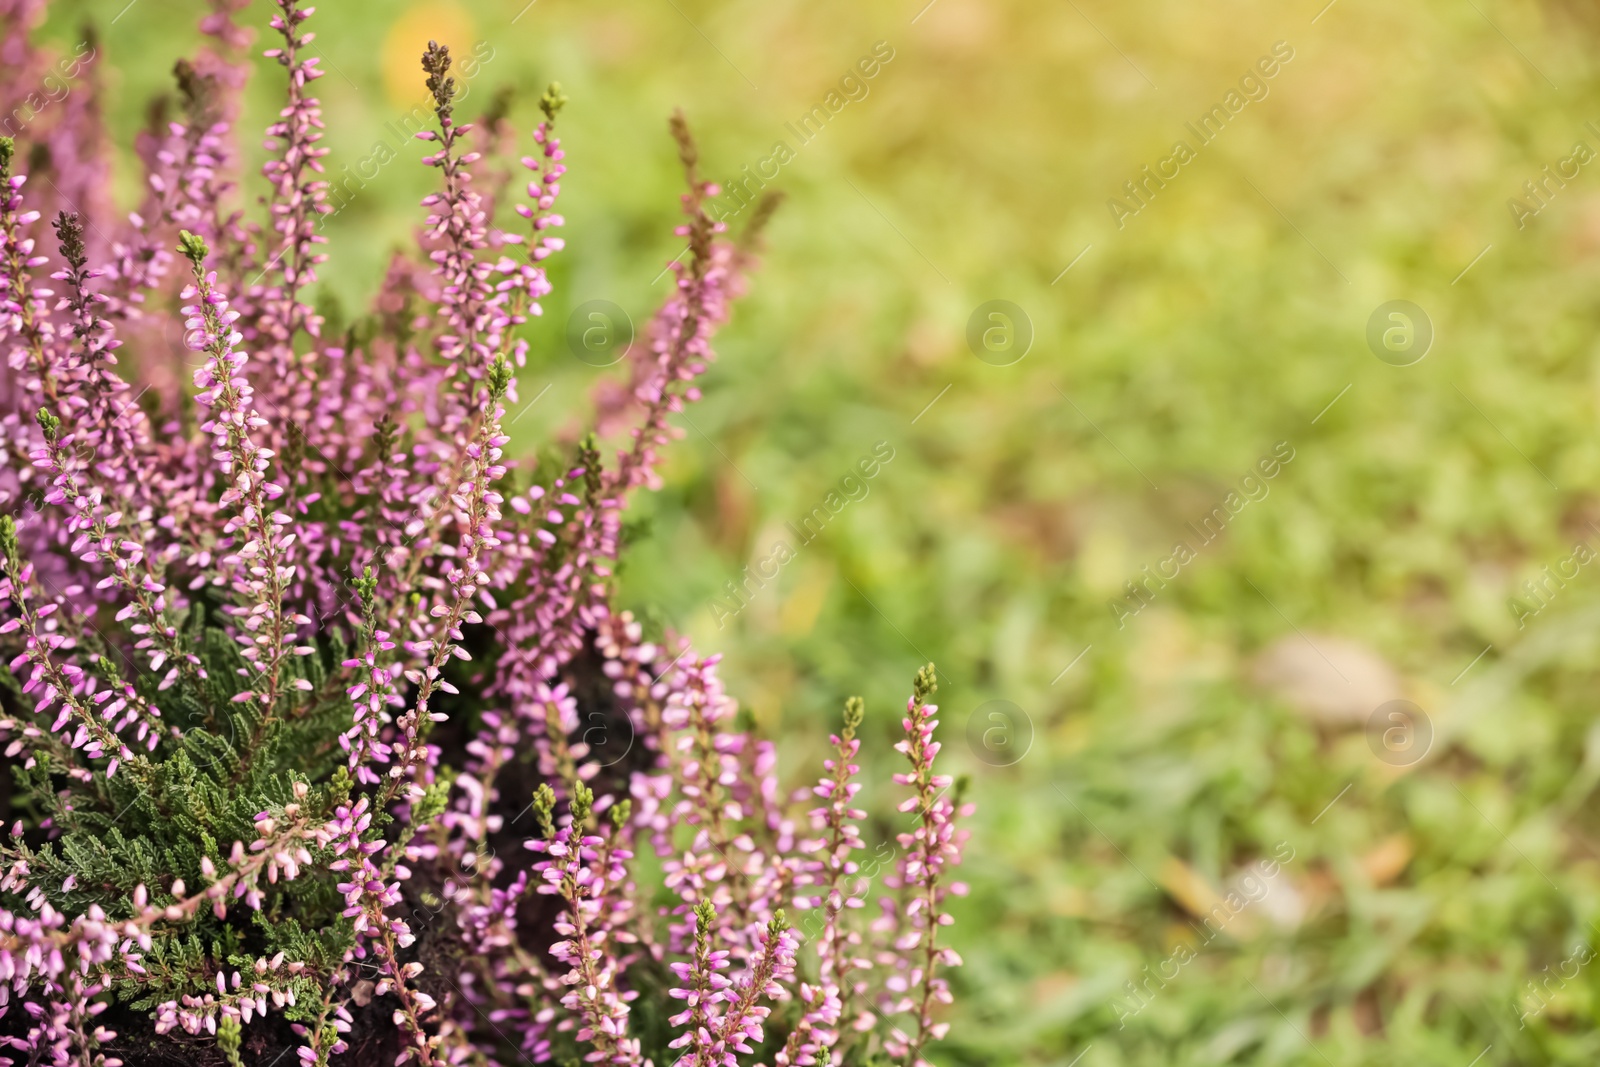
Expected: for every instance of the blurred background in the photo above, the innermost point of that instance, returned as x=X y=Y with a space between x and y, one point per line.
x=1319 y=788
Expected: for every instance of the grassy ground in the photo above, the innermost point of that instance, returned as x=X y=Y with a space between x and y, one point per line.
x=1388 y=904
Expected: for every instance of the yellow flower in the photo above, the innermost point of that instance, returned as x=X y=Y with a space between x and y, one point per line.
x=428 y=20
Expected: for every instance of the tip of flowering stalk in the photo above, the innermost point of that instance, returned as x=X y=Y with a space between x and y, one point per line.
x=855 y=710
x=49 y=424
x=766 y=208
x=622 y=813
x=8 y=148
x=582 y=803
x=688 y=154
x=69 y=234
x=366 y=586
x=8 y=541
x=544 y=803
x=705 y=913
x=193 y=247
x=552 y=101
x=436 y=63
x=926 y=683
x=500 y=376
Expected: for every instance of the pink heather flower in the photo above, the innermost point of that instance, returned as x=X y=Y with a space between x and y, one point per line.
x=372 y=694
x=725 y=1017
x=925 y=852
x=258 y=567
x=824 y=1001
x=298 y=200
x=332 y=517
x=587 y=871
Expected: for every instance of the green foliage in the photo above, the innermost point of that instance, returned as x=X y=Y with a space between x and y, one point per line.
x=194 y=248
x=167 y=824
x=544 y=804
x=228 y=1033
x=582 y=803
x=8 y=540
x=500 y=375
x=855 y=711
x=49 y=424
x=552 y=101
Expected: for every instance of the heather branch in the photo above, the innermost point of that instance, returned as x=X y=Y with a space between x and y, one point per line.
x=585 y=869
x=479 y=507
x=918 y=876
x=527 y=281
x=684 y=324
x=371 y=694
x=456 y=216
x=297 y=196
x=742 y=1025
x=826 y=1006
x=24 y=311
x=130 y=564
x=704 y=988
x=226 y=391
x=61 y=681
x=95 y=356
x=294 y=200
x=367 y=896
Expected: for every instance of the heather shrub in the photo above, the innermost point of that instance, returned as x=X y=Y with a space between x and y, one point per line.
x=323 y=734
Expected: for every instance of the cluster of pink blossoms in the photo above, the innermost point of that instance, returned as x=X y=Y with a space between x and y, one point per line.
x=326 y=734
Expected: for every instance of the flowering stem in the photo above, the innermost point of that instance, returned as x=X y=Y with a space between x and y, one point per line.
x=743 y=1019
x=61 y=681
x=584 y=888
x=480 y=507
x=130 y=565
x=684 y=322
x=20 y=299
x=296 y=201
x=227 y=392
x=705 y=991
x=411 y=1007
x=929 y=844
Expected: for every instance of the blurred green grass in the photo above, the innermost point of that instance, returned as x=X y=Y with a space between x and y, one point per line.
x=1222 y=319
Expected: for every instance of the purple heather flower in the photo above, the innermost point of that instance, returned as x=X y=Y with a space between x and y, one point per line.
x=343 y=511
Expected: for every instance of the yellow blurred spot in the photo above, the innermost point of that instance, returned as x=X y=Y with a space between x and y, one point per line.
x=1384 y=863
x=1067 y=901
x=767 y=693
x=1186 y=886
x=1103 y=562
x=429 y=20
x=798 y=616
x=1217 y=913
x=1072 y=733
